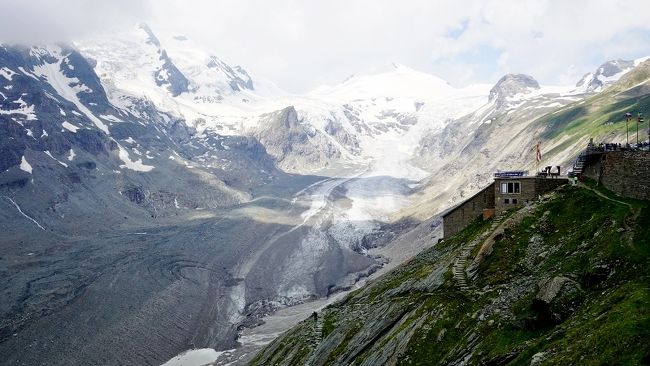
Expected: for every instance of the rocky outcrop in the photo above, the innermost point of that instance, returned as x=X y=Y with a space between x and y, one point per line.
x=512 y=84
x=605 y=75
x=556 y=299
x=294 y=145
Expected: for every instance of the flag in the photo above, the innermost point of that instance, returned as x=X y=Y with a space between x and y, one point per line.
x=538 y=153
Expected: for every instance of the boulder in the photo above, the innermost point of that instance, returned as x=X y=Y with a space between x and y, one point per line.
x=556 y=299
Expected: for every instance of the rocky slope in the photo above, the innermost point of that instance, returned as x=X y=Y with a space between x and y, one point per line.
x=563 y=281
x=605 y=75
x=94 y=195
x=501 y=135
x=60 y=127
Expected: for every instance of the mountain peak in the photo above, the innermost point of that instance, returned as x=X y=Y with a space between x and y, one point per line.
x=151 y=37
x=391 y=80
x=511 y=84
x=604 y=75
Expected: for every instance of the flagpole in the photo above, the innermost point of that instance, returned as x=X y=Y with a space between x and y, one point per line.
x=637 y=128
x=627 y=132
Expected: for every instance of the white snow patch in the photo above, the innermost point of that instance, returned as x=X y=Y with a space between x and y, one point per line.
x=640 y=60
x=55 y=159
x=110 y=117
x=7 y=73
x=137 y=165
x=130 y=140
x=61 y=84
x=24 y=109
x=25 y=166
x=70 y=127
x=196 y=357
x=71 y=155
x=27 y=73
x=24 y=214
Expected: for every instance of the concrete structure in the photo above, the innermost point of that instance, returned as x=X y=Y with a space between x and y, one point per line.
x=458 y=217
x=513 y=192
x=625 y=172
x=508 y=191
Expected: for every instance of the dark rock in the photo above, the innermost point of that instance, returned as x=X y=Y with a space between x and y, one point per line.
x=92 y=141
x=556 y=299
x=90 y=165
x=135 y=194
x=11 y=152
x=595 y=276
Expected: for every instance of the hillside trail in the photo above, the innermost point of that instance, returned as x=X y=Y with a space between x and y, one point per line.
x=629 y=221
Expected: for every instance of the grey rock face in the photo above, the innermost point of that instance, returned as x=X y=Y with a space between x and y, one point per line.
x=292 y=144
x=151 y=37
x=556 y=298
x=170 y=76
x=597 y=80
x=298 y=146
x=512 y=84
x=237 y=76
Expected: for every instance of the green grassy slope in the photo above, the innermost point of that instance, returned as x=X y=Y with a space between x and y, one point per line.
x=417 y=315
x=602 y=116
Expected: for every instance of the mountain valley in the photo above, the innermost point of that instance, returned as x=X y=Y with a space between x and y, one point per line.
x=156 y=199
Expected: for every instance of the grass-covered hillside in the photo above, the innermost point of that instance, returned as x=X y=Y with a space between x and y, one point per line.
x=602 y=115
x=563 y=282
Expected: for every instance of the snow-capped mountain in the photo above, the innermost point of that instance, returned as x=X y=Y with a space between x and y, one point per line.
x=148 y=136
x=605 y=75
x=394 y=80
x=174 y=73
x=512 y=85
x=58 y=125
x=341 y=123
x=171 y=85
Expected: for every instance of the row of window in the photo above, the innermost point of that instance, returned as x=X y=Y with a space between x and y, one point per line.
x=510 y=187
x=507 y=201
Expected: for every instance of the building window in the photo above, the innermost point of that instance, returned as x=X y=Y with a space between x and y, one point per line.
x=507 y=201
x=514 y=201
x=510 y=187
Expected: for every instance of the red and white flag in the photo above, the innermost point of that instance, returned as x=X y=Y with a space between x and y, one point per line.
x=538 y=152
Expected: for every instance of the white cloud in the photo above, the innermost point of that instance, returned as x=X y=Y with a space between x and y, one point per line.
x=301 y=44
x=50 y=21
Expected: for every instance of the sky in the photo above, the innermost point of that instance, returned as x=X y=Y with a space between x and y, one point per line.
x=302 y=44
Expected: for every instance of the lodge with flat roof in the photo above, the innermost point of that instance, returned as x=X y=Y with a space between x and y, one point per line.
x=510 y=189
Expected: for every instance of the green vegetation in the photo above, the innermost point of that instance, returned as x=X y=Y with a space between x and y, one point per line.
x=595 y=246
x=600 y=116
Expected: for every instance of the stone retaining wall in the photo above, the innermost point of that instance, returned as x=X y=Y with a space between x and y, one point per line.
x=627 y=173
